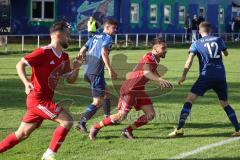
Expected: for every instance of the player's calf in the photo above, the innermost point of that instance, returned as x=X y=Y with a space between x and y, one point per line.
x=89 y=113
x=142 y=120
x=112 y=119
x=231 y=115
x=65 y=123
x=150 y=116
x=21 y=134
x=10 y=141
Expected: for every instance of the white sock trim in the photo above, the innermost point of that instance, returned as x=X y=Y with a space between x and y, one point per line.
x=49 y=152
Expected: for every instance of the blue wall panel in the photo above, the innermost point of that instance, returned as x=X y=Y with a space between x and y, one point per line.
x=76 y=12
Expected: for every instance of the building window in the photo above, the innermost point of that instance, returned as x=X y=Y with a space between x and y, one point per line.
x=36 y=9
x=202 y=11
x=182 y=14
x=42 y=10
x=221 y=15
x=153 y=13
x=4 y=10
x=134 y=13
x=167 y=14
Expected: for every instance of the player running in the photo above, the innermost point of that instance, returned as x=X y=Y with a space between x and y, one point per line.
x=48 y=64
x=209 y=50
x=97 y=51
x=132 y=92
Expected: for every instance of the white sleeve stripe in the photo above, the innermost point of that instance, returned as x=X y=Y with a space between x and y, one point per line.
x=26 y=62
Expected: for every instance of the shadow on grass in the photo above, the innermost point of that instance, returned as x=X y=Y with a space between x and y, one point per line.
x=12 y=94
x=196 y=125
x=223 y=158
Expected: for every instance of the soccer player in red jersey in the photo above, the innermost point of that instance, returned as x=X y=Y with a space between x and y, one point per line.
x=132 y=92
x=48 y=64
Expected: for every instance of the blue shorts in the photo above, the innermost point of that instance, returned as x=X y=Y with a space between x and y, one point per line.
x=97 y=83
x=219 y=85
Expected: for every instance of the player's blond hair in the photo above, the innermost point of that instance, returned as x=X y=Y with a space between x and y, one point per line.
x=205 y=27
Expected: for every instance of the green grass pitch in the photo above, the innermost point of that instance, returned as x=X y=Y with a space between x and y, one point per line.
x=207 y=124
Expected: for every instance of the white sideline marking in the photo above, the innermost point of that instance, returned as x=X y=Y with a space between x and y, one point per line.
x=204 y=148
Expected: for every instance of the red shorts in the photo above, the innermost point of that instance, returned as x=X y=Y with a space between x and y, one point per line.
x=39 y=110
x=127 y=101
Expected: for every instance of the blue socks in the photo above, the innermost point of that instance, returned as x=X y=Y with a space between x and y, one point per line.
x=184 y=114
x=106 y=107
x=228 y=109
x=232 y=117
x=91 y=110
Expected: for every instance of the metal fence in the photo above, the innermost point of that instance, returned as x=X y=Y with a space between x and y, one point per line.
x=29 y=42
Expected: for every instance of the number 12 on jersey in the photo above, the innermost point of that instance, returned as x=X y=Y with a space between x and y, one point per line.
x=210 y=47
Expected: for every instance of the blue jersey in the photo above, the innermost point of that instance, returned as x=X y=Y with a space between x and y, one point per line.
x=94 y=62
x=209 y=52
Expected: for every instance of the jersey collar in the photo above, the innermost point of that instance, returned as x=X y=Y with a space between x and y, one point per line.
x=59 y=55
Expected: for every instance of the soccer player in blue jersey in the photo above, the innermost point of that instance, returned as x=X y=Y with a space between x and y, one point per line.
x=209 y=50
x=96 y=52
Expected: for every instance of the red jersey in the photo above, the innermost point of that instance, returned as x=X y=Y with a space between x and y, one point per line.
x=136 y=79
x=47 y=68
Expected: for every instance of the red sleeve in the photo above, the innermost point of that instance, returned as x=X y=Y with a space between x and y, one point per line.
x=67 y=69
x=36 y=58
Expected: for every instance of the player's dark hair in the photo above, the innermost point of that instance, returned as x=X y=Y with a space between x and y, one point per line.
x=206 y=26
x=157 y=41
x=110 y=22
x=59 y=26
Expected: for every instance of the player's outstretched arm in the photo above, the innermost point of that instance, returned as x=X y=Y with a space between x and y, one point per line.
x=82 y=54
x=74 y=74
x=154 y=76
x=106 y=60
x=21 y=70
x=77 y=62
x=187 y=66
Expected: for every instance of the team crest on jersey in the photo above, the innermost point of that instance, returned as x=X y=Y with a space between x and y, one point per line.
x=55 y=76
x=52 y=62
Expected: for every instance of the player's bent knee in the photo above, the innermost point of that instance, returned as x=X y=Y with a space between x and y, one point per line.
x=22 y=135
x=118 y=117
x=67 y=124
x=151 y=116
x=98 y=102
x=191 y=97
x=224 y=103
x=122 y=116
x=107 y=96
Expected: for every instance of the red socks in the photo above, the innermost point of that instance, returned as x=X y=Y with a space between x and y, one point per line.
x=143 y=120
x=9 y=142
x=105 y=122
x=58 y=137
